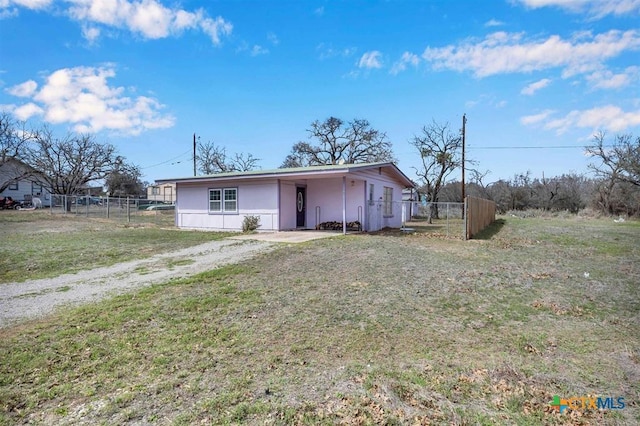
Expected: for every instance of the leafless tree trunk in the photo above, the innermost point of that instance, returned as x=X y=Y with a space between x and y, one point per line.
x=439 y=150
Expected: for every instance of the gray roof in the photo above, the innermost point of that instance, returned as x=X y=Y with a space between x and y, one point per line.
x=327 y=169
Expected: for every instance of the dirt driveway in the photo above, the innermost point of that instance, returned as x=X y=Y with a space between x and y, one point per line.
x=31 y=299
x=36 y=298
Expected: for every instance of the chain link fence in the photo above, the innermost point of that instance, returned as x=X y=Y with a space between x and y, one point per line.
x=441 y=218
x=437 y=218
x=125 y=209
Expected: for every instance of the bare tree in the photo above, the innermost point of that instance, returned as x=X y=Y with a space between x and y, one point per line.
x=124 y=179
x=439 y=150
x=617 y=168
x=620 y=161
x=213 y=159
x=339 y=142
x=67 y=165
x=14 y=138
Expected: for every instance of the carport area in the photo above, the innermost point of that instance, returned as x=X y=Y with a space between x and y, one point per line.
x=287 y=236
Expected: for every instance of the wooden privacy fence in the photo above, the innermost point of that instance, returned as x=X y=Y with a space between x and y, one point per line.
x=479 y=214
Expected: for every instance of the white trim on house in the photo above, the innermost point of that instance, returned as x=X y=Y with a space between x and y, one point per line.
x=336 y=193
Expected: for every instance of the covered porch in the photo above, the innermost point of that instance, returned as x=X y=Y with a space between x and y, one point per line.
x=336 y=202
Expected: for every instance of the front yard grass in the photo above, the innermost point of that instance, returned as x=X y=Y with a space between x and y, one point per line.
x=40 y=245
x=362 y=329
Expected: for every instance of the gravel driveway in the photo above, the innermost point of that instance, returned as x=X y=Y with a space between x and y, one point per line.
x=30 y=299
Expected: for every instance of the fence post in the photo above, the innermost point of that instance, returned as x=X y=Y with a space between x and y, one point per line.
x=128 y=211
x=465 y=215
x=447 y=219
x=317 y=216
x=108 y=207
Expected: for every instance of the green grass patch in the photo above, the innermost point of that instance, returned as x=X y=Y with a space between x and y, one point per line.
x=364 y=329
x=44 y=245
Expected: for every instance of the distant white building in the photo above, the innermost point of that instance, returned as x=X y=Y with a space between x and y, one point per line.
x=414 y=200
x=162 y=192
x=22 y=183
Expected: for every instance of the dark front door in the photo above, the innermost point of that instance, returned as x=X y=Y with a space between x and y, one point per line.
x=301 y=206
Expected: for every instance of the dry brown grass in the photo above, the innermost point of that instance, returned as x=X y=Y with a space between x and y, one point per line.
x=362 y=329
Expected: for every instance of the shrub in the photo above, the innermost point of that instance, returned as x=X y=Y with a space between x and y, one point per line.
x=250 y=223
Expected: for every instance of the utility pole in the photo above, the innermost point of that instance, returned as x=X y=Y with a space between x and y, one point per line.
x=194 y=154
x=464 y=122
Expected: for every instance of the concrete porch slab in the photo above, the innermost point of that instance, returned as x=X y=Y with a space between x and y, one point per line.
x=287 y=236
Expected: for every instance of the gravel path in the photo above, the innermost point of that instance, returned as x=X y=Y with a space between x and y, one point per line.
x=30 y=299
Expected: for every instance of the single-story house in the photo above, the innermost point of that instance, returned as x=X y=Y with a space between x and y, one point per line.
x=165 y=192
x=21 y=183
x=363 y=196
x=413 y=199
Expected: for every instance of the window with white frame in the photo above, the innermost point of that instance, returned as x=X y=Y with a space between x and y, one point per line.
x=387 y=201
x=13 y=186
x=223 y=200
x=36 y=188
x=155 y=190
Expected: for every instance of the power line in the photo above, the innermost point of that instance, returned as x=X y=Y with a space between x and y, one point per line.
x=535 y=147
x=168 y=161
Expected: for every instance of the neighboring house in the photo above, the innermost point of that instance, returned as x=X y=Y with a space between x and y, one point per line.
x=165 y=192
x=413 y=199
x=23 y=183
x=90 y=190
x=294 y=198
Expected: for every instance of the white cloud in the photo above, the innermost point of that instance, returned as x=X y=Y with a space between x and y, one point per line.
x=29 y=4
x=493 y=23
x=10 y=8
x=82 y=97
x=90 y=33
x=606 y=79
x=609 y=117
x=534 y=87
x=502 y=52
x=24 y=112
x=536 y=118
x=258 y=50
x=147 y=18
x=327 y=51
x=23 y=90
x=319 y=11
x=216 y=28
x=407 y=58
x=6 y=13
x=273 y=39
x=486 y=100
x=593 y=8
x=370 y=60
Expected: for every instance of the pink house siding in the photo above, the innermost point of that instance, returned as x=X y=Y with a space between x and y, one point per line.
x=325 y=200
x=333 y=193
x=254 y=198
x=380 y=179
x=287 y=205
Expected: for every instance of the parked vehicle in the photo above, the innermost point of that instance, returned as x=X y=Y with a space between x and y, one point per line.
x=145 y=204
x=8 y=203
x=93 y=201
x=161 y=207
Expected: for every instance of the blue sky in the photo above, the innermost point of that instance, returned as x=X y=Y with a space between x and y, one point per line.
x=252 y=75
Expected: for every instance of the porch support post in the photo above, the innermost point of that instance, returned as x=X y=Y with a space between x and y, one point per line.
x=278 y=206
x=344 y=205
